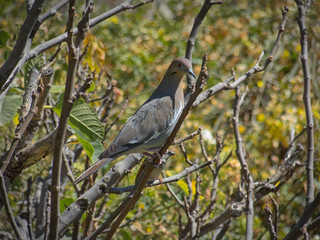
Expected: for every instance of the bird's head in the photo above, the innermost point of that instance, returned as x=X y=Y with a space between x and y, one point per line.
x=181 y=66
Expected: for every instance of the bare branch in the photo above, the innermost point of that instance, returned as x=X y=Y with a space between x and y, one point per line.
x=5 y=200
x=272 y=231
x=23 y=42
x=227 y=85
x=244 y=166
x=61 y=130
x=306 y=97
x=193 y=35
x=297 y=230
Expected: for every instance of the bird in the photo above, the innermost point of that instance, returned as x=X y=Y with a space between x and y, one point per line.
x=150 y=126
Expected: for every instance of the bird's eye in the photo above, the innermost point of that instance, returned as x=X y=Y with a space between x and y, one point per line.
x=179 y=65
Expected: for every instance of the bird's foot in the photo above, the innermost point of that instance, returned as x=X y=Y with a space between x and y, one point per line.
x=156 y=164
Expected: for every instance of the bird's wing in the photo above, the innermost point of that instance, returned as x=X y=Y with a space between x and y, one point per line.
x=151 y=120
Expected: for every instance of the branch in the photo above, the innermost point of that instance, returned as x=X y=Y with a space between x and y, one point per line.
x=297 y=230
x=235 y=210
x=73 y=58
x=61 y=38
x=5 y=200
x=244 y=166
x=175 y=178
x=23 y=42
x=272 y=231
x=193 y=35
x=306 y=97
x=76 y=209
x=227 y=85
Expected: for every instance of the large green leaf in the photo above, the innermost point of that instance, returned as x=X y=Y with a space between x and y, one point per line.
x=85 y=119
x=8 y=107
x=86 y=125
x=92 y=148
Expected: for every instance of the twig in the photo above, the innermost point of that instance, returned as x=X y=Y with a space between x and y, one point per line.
x=188 y=137
x=23 y=43
x=227 y=85
x=296 y=231
x=235 y=210
x=306 y=97
x=193 y=35
x=272 y=231
x=61 y=38
x=21 y=130
x=76 y=209
x=195 y=167
x=29 y=198
x=5 y=200
x=61 y=130
x=185 y=155
x=244 y=166
x=276 y=215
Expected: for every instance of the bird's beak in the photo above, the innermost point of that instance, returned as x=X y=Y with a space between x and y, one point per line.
x=190 y=72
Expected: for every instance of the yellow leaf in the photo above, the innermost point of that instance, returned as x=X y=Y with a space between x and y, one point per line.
x=141 y=205
x=241 y=129
x=261 y=117
x=260 y=83
x=114 y=19
x=183 y=186
x=286 y=53
x=16 y=119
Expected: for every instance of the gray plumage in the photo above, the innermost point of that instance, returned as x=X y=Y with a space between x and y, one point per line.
x=150 y=126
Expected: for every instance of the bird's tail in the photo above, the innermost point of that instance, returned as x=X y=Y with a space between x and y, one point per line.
x=91 y=170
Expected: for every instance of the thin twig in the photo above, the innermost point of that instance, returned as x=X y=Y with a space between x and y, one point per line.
x=5 y=200
x=61 y=131
x=306 y=97
x=244 y=166
x=227 y=85
x=272 y=231
x=188 y=137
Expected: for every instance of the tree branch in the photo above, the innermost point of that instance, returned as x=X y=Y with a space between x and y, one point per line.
x=227 y=85
x=306 y=98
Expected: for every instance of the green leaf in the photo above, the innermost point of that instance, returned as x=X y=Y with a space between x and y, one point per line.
x=65 y=203
x=4 y=37
x=92 y=148
x=86 y=125
x=8 y=107
x=85 y=119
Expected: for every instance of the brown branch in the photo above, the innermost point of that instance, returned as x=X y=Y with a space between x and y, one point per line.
x=21 y=130
x=193 y=35
x=23 y=43
x=73 y=58
x=5 y=200
x=297 y=230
